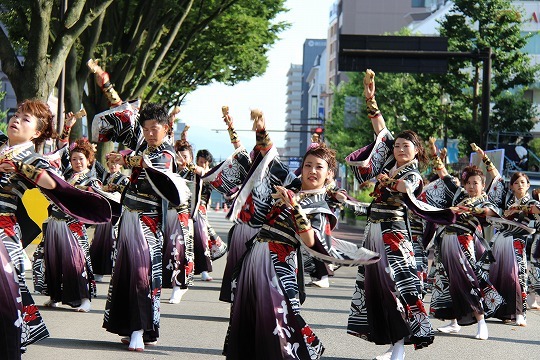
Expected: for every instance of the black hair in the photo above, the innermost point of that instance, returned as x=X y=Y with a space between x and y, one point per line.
x=205 y=154
x=153 y=111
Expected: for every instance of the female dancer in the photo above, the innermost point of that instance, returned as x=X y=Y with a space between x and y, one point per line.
x=68 y=269
x=249 y=179
x=22 y=168
x=462 y=291
x=265 y=318
x=102 y=245
x=509 y=271
x=395 y=295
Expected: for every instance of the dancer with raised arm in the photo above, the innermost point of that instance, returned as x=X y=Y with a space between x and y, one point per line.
x=133 y=302
x=508 y=272
x=462 y=292
x=394 y=295
x=265 y=318
x=249 y=180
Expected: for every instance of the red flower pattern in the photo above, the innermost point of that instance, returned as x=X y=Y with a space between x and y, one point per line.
x=247 y=210
x=30 y=313
x=281 y=250
x=465 y=240
x=189 y=267
x=308 y=334
x=393 y=239
x=519 y=246
x=76 y=228
x=218 y=181
x=152 y=223
x=183 y=218
x=7 y=223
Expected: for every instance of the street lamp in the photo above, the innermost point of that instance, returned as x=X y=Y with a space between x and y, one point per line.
x=446 y=102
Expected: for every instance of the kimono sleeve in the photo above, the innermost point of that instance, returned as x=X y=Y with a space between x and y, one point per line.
x=118 y=124
x=497 y=192
x=440 y=193
x=229 y=174
x=369 y=161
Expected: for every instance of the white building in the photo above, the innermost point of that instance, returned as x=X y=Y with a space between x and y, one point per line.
x=293 y=111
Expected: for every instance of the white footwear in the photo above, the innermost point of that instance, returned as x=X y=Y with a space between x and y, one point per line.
x=482 y=333
x=85 y=306
x=520 y=320
x=51 y=303
x=322 y=283
x=387 y=355
x=451 y=328
x=205 y=276
x=98 y=278
x=398 y=352
x=136 y=342
x=177 y=294
x=531 y=302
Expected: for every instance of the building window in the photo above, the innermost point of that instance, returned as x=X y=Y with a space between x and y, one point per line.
x=314 y=103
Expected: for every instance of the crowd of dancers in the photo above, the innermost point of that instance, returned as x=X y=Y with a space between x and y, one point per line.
x=152 y=232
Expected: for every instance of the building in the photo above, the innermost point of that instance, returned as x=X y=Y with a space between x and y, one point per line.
x=313 y=49
x=293 y=110
x=367 y=17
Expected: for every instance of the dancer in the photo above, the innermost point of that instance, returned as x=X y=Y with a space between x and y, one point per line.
x=101 y=248
x=394 y=295
x=178 y=257
x=203 y=233
x=462 y=291
x=68 y=269
x=249 y=179
x=509 y=271
x=133 y=301
x=265 y=318
x=21 y=168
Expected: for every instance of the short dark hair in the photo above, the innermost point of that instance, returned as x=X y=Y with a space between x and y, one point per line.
x=323 y=152
x=153 y=111
x=205 y=154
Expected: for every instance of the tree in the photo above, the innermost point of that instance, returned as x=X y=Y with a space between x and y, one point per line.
x=160 y=51
x=473 y=26
x=153 y=50
x=412 y=101
x=36 y=44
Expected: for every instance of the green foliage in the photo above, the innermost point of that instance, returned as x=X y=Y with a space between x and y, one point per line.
x=184 y=47
x=231 y=49
x=473 y=26
x=412 y=101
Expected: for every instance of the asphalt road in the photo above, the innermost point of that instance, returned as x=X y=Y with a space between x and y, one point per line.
x=195 y=328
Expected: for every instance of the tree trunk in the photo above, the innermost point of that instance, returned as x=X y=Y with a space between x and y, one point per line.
x=73 y=98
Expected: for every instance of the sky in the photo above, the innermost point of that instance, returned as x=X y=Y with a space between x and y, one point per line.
x=201 y=109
